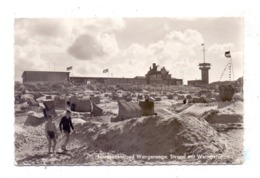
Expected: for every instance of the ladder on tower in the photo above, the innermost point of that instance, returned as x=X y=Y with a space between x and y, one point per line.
x=228 y=66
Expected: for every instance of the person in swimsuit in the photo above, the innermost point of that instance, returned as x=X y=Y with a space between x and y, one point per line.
x=51 y=134
x=65 y=125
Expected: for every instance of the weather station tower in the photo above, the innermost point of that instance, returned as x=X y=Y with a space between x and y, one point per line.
x=204 y=67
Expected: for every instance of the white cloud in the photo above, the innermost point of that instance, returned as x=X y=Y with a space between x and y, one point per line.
x=108 y=43
x=41 y=42
x=40 y=30
x=28 y=58
x=220 y=48
x=178 y=52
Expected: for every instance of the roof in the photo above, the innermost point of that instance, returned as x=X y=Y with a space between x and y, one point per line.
x=175 y=78
x=139 y=77
x=195 y=81
x=82 y=77
x=204 y=64
x=44 y=72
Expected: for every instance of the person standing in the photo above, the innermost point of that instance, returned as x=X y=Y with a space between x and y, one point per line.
x=65 y=125
x=51 y=134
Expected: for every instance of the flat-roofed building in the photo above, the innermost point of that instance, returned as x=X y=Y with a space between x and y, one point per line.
x=153 y=77
x=109 y=80
x=45 y=76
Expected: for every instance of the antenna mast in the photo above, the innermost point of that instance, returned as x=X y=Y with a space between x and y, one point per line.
x=203 y=49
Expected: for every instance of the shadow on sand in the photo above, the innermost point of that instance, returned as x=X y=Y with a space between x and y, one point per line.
x=224 y=104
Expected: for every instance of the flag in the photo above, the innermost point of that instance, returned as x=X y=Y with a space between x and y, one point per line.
x=105 y=71
x=69 y=68
x=227 y=54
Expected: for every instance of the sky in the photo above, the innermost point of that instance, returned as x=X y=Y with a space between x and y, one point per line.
x=128 y=46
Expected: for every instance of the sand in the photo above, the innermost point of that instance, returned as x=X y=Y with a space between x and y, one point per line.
x=96 y=140
x=179 y=134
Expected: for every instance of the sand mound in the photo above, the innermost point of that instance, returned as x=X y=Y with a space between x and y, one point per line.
x=28 y=140
x=20 y=140
x=153 y=136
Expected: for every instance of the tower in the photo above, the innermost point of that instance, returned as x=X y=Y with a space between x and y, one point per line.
x=204 y=67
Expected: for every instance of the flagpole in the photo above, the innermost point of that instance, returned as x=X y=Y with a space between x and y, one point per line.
x=203 y=52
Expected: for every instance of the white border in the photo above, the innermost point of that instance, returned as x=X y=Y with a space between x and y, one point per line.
x=49 y=8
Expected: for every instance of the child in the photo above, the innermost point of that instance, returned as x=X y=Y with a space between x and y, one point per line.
x=51 y=134
x=65 y=125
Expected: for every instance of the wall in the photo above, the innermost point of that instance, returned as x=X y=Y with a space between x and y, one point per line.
x=109 y=81
x=135 y=81
x=195 y=82
x=205 y=75
x=35 y=76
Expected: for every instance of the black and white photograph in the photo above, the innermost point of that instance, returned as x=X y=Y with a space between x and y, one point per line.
x=128 y=91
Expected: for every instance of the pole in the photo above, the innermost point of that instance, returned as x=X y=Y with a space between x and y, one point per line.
x=231 y=65
x=224 y=70
x=232 y=68
x=229 y=70
x=203 y=52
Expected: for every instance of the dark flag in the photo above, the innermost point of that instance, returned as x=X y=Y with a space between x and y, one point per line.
x=69 y=68
x=105 y=71
x=227 y=54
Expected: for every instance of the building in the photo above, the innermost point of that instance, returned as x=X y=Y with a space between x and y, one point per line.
x=204 y=67
x=108 y=80
x=45 y=76
x=155 y=76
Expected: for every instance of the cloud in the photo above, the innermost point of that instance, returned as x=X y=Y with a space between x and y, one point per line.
x=108 y=43
x=39 y=43
x=86 y=47
x=28 y=58
x=89 y=47
x=102 y=25
x=51 y=31
x=47 y=28
x=220 y=48
x=41 y=30
x=178 y=51
x=92 y=44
